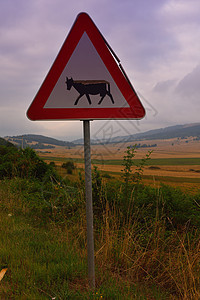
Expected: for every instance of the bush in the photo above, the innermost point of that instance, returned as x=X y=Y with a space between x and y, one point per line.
x=146 y=203
x=52 y=164
x=24 y=163
x=98 y=193
x=106 y=175
x=69 y=166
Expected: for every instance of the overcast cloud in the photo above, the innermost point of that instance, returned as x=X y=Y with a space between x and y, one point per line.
x=157 y=41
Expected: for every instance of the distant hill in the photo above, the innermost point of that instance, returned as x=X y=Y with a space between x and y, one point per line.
x=37 y=141
x=92 y=141
x=177 y=131
x=44 y=142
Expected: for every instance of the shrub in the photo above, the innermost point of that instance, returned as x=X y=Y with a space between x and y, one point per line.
x=69 y=166
x=24 y=163
x=154 y=168
x=98 y=195
x=129 y=177
x=106 y=175
x=52 y=164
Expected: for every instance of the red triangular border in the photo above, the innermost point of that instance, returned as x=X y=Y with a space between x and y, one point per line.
x=36 y=111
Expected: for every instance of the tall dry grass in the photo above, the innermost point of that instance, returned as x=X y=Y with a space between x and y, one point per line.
x=150 y=255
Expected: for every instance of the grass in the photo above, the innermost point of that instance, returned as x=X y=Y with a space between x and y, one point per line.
x=189 y=184
x=150 y=179
x=146 y=239
x=45 y=263
x=151 y=162
x=47 y=260
x=40 y=265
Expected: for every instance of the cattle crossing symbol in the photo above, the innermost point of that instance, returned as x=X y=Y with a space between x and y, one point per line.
x=90 y=87
x=86 y=81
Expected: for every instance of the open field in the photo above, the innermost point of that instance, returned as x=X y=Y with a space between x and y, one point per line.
x=171 y=148
x=174 y=161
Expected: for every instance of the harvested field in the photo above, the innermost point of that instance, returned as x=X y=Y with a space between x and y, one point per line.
x=171 y=148
x=172 y=171
x=174 y=161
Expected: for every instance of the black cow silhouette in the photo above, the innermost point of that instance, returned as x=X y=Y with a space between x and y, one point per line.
x=90 y=87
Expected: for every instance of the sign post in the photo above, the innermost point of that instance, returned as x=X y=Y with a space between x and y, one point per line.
x=89 y=205
x=86 y=82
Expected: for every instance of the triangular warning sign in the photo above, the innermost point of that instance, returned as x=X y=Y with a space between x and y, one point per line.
x=86 y=81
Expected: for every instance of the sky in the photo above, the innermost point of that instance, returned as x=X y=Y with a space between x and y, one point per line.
x=157 y=42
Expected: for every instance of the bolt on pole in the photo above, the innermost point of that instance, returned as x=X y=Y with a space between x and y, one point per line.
x=89 y=205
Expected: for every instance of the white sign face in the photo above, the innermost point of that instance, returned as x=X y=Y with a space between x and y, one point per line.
x=85 y=82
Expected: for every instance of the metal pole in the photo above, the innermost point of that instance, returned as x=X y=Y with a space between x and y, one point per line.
x=89 y=207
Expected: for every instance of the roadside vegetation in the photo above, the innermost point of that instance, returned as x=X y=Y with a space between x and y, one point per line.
x=147 y=243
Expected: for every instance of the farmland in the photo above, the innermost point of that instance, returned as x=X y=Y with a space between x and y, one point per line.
x=174 y=161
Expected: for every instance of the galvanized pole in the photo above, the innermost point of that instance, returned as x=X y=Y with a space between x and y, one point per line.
x=89 y=206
